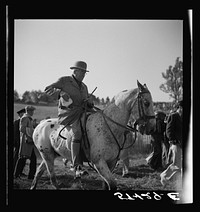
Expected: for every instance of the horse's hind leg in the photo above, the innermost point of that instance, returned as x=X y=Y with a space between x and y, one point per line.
x=105 y=173
x=38 y=174
x=49 y=159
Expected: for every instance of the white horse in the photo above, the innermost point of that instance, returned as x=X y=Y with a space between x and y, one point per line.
x=105 y=132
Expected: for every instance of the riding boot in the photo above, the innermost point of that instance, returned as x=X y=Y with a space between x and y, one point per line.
x=20 y=164
x=75 y=148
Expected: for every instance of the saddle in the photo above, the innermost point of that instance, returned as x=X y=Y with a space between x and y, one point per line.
x=85 y=146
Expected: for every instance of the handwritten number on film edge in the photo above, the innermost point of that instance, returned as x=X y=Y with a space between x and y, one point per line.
x=173 y=196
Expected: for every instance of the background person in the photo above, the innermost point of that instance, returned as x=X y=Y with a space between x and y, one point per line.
x=154 y=160
x=27 y=147
x=174 y=134
x=17 y=136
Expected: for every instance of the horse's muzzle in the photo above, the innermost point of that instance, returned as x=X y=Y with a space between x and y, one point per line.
x=146 y=129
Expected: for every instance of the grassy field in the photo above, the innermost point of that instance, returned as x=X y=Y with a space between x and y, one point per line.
x=140 y=177
x=40 y=113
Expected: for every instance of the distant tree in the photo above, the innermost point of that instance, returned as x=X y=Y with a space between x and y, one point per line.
x=174 y=80
x=107 y=100
x=26 y=97
x=55 y=96
x=97 y=101
x=102 y=101
x=34 y=96
x=16 y=96
x=37 y=96
x=42 y=97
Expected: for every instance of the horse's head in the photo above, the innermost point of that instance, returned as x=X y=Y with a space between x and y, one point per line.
x=142 y=110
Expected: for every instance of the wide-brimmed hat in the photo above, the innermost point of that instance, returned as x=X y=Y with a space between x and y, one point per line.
x=21 y=111
x=80 y=65
x=29 y=108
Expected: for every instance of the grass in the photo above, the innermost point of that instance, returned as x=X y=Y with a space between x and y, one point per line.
x=40 y=113
x=140 y=177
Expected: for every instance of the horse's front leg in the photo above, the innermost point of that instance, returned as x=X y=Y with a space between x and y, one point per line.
x=106 y=174
x=49 y=158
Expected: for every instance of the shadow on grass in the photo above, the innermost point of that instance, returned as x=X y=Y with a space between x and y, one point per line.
x=87 y=182
x=137 y=172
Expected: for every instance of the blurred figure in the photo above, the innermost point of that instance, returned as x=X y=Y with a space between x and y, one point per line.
x=17 y=137
x=154 y=160
x=35 y=123
x=174 y=134
x=165 y=147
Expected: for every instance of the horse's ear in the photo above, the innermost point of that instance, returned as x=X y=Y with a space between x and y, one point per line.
x=145 y=86
x=140 y=86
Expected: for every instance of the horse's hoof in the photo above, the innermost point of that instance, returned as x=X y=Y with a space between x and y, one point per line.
x=57 y=187
x=85 y=173
x=32 y=188
x=80 y=173
x=113 y=187
x=105 y=186
x=61 y=185
x=77 y=178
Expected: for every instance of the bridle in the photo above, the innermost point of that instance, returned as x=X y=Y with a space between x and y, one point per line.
x=142 y=116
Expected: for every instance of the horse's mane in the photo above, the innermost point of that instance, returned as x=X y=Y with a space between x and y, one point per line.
x=120 y=98
x=126 y=93
x=123 y=95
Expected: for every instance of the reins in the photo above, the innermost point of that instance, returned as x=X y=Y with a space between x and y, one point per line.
x=127 y=128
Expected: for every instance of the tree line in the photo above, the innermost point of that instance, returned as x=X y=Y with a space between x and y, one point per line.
x=173 y=85
x=40 y=97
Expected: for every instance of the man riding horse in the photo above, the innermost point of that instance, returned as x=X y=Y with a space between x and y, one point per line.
x=73 y=101
x=105 y=129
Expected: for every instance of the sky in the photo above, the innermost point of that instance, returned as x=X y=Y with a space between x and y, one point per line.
x=117 y=53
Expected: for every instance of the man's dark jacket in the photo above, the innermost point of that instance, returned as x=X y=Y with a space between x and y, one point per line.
x=174 y=127
x=16 y=133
